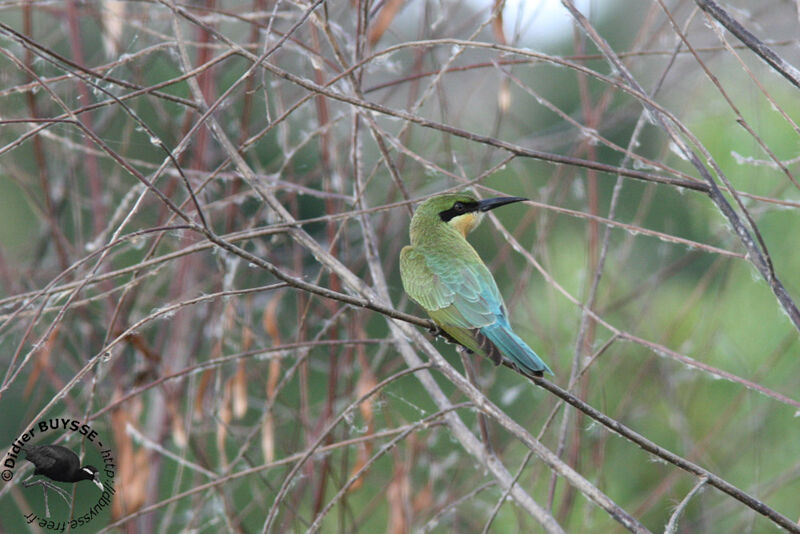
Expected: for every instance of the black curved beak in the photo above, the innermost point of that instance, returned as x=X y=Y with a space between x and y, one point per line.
x=496 y=202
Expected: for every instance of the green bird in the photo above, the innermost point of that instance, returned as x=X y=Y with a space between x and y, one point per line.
x=443 y=273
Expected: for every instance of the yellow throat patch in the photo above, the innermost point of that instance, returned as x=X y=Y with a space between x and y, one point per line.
x=465 y=223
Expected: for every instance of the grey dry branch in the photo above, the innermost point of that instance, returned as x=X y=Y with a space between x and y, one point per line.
x=571 y=57
x=433 y=522
x=272 y=397
x=756 y=249
x=586 y=329
x=84 y=281
x=555 y=158
x=761 y=261
x=651 y=447
x=76 y=69
x=657 y=348
x=589 y=490
x=784 y=68
x=486 y=140
x=218 y=243
x=356 y=292
x=712 y=189
x=106 y=351
x=322 y=291
x=26 y=299
x=672 y=524
x=419 y=120
x=466 y=438
x=316 y=525
x=217 y=362
x=289 y=478
x=53 y=288
x=357 y=286
x=225 y=479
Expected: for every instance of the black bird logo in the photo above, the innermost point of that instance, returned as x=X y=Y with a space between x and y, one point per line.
x=60 y=464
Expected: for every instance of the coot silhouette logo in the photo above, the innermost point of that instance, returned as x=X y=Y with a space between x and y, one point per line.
x=52 y=448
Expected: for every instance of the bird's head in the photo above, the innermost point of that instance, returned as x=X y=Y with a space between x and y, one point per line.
x=90 y=472
x=461 y=211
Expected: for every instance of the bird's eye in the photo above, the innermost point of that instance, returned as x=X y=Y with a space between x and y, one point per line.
x=459 y=207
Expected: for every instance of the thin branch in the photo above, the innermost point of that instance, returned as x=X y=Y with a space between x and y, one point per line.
x=651 y=447
x=672 y=524
x=784 y=68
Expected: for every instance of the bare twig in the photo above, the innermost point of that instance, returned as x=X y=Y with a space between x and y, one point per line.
x=752 y=42
x=672 y=524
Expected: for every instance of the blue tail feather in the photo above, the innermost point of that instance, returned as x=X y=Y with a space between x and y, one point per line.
x=514 y=349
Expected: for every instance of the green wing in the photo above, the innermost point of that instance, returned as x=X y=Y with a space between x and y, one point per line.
x=459 y=295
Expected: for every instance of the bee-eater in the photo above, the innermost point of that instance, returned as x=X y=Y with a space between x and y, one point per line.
x=444 y=274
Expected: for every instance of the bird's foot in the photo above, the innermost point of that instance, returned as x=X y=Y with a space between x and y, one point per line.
x=526 y=372
x=493 y=354
x=439 y=332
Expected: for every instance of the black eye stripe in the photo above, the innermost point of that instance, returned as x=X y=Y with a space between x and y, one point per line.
x=459 y=208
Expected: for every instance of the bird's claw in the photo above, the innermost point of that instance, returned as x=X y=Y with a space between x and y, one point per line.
x=439 y=332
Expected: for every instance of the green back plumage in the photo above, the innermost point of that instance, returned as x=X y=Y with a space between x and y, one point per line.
x=443 y=273
x=450 y=289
